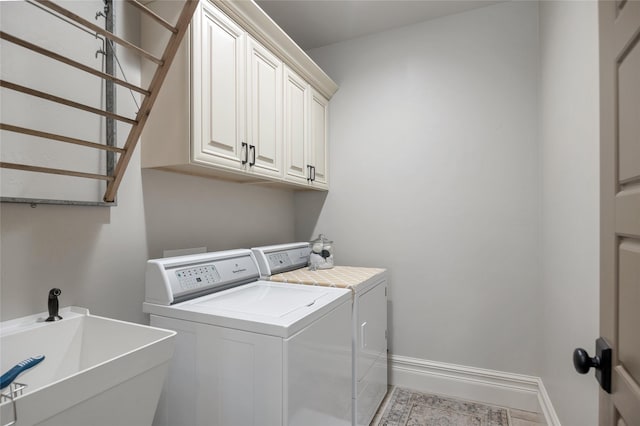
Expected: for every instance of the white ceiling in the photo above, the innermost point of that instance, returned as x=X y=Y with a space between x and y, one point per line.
x=315 y=23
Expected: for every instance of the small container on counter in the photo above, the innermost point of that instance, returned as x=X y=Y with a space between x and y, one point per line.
x=321 y=254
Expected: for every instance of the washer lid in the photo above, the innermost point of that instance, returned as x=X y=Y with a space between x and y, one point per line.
x=265 y=300
x=263 y=307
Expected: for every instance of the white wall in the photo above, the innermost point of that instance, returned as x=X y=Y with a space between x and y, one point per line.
x=186 y=211
x=437 y=174
x=570 y=187
x=434 y=175
x=97 y=255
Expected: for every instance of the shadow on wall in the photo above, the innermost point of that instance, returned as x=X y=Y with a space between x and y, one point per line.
x=184 y=211
x=308 y=206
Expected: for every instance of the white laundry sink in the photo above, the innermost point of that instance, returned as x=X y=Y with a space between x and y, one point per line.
x=97 y=371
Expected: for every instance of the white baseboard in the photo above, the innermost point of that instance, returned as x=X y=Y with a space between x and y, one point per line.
x=546 y=406
x=476 y=384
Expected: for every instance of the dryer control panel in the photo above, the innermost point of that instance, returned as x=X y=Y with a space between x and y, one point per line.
x=279 y=260
x=282 y=258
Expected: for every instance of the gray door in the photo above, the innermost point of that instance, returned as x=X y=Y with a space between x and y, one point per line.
x=620 y=207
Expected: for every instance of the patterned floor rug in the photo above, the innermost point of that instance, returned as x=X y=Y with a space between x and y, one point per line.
x=410 y=408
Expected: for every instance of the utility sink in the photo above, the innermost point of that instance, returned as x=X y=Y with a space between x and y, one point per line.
x=96 y=372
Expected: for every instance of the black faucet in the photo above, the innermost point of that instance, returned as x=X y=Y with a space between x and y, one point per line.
x=53 y=304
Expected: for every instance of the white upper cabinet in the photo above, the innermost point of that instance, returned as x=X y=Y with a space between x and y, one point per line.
x=296 y=132
x=218 y=85
x=240 y=102
x=264 y=111
x=305 y=138
x=319 y=156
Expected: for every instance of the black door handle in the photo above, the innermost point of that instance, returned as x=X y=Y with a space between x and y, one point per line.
x=246 y=153
x=582 y=362
x=253 y=148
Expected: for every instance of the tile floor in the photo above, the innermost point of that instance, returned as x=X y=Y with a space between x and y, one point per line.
x=518 y=417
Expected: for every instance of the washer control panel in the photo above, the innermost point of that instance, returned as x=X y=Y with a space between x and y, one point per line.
x=199 y=276
x=177 y=279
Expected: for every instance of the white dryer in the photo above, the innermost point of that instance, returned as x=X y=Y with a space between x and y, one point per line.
x=249 y=352
x=287 y=263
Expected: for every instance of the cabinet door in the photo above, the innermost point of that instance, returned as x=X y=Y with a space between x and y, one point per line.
x=264 y=110
x=296 y=123
x=218 y=90
x=318 y=141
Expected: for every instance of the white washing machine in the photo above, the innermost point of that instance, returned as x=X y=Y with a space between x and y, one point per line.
x=288 y=263
x=249 y=352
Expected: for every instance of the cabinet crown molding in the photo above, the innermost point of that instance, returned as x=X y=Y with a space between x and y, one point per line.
x=260 y=26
